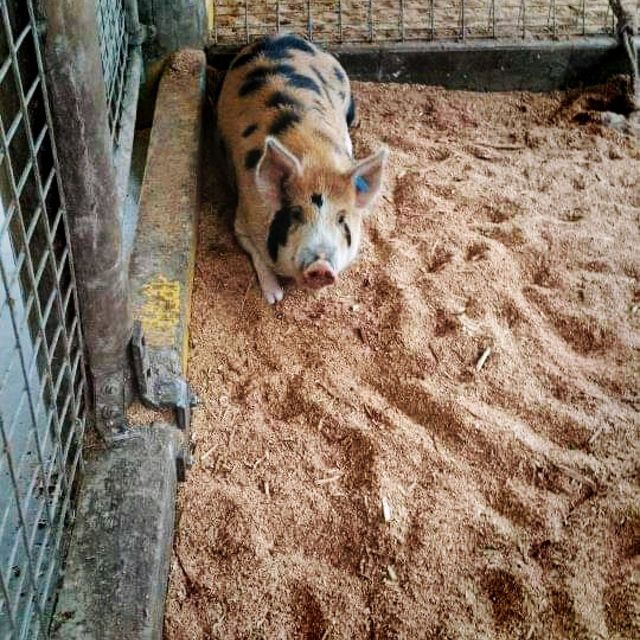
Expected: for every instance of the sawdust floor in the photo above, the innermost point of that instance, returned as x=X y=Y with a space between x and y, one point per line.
x=508 y=222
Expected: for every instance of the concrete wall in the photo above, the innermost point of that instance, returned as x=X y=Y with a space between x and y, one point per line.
x=177 y=24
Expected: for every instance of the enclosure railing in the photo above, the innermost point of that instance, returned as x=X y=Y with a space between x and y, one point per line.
x=357 y=21
x=114 y=48
x=61 y=203
x=42 y=377
x=93 y=53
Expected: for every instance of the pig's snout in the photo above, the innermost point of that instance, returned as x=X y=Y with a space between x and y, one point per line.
x=319 y=274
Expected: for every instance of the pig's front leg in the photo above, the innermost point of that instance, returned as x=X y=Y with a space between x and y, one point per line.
x=269 y=284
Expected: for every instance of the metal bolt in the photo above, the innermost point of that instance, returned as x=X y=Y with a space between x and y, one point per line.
x=109 y=388
x=110 y=411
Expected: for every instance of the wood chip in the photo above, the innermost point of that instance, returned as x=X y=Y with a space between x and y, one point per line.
x=329 y=479
x=208 y=452
x=387 y=511
x=483 y=359
x=391 y=572
x=596 y=434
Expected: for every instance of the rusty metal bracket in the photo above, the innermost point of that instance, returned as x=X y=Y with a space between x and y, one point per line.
x=162 y=386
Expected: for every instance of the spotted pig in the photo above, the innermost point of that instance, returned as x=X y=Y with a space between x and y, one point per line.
x=284 y=113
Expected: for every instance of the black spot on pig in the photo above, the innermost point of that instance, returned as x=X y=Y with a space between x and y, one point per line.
x=281 y=99
x=351 y=112
x=243 y=59
x=252 y=158
x=280 y=47
x=277 y=48
x=284 y=120
x=249 y=130
x=342 y=95
x=319 y=75
x=323 y=83
x=317 y=199
x=258 y=78
x=345 y=228
x=300 y=81
x=339 y=73
x=259 y=71
x=251 y=85
x=279 y=229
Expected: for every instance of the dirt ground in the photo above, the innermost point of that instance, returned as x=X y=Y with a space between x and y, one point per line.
x=358 y=474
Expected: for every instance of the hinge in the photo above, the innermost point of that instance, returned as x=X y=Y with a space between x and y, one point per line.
x=162 y=386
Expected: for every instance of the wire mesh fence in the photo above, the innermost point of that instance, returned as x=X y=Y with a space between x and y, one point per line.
x=42 y=377
x=114 y=50
x=353 y=21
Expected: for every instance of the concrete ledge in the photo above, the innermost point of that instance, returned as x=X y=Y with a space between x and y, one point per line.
x=483 y=65
x=162 y=263
x=118 y=562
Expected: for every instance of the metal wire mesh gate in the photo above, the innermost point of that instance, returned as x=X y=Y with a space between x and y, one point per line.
x=43 y=384
x=114 y=46
x=42 y=380
x=351 y=21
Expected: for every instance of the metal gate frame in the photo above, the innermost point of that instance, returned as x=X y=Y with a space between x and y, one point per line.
x=93 y=53
x=77 y=371
x=43 y=371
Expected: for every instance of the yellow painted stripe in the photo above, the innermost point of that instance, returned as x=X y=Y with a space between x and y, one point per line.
x=160 y=312
x=191 y=266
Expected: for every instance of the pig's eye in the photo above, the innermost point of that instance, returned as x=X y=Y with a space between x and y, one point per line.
x=341 y=218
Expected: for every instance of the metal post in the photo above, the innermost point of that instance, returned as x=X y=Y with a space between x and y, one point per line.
x=432 y=19
x=85 y=150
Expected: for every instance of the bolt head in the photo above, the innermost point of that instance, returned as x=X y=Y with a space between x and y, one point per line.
x=110 y=411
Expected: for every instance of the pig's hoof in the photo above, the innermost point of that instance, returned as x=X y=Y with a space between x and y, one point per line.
x=273 y=294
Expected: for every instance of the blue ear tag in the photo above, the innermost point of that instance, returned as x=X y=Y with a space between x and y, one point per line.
x=362 y=186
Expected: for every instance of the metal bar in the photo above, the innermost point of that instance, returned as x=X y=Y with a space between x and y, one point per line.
x=309 y=21
x=370 y=19
x=5 y=593
x=402 y=38
x=38 y=313
x=340 y=34
x=75 y=466
x=7 y=447
x=92 y=197
x=246 y=22
x=55 y=551
x=35 y=281
x=61 y=214
x=432 y=19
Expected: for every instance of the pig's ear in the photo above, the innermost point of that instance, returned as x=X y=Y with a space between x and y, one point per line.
x=367 y=177
x=275 y=168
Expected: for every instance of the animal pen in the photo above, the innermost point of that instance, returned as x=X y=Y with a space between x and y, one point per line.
x=99 y=197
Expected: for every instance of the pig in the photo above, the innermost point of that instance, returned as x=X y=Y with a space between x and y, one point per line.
x=283 y=117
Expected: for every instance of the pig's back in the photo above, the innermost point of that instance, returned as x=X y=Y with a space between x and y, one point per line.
x=288 y=88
